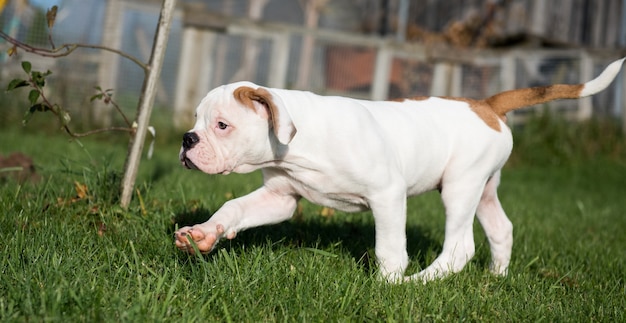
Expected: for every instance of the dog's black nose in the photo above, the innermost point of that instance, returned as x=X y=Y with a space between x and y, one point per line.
x=190 y=139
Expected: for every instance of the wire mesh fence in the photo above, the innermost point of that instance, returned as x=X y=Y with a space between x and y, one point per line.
x=271 y=54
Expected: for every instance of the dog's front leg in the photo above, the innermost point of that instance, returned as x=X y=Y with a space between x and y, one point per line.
x=390 y=219
x=255 y=209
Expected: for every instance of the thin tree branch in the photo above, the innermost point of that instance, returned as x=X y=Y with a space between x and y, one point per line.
x=91 y=132
x=69 y=48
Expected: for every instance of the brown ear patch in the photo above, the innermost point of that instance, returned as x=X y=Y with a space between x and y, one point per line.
x=246 y=95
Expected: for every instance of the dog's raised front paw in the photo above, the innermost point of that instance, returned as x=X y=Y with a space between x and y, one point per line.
x=204 y=239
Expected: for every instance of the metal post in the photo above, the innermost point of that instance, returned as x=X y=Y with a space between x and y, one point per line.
x=144 y=109
x=507 y=79
x=620 y=86
x=382 y=71
x=279 y=61
x=403 y=15
x=108 y=68
x=585 y=105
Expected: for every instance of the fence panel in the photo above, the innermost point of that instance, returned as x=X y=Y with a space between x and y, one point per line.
x=209 y=49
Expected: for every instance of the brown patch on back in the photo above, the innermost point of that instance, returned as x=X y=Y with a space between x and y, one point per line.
x=483 y=110
x=494 y=108
x=504 y=102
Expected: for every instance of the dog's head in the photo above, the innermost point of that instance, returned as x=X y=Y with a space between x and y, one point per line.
x=238 y=129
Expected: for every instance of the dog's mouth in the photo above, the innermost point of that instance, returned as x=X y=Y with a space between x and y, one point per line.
x=187 y=163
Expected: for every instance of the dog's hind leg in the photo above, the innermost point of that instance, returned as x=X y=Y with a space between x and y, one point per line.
x=497 y=226
x=460 y=199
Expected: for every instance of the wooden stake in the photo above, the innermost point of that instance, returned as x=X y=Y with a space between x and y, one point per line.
x=146 y=101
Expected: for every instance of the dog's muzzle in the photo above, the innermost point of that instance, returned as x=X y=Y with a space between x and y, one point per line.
x=190 y=139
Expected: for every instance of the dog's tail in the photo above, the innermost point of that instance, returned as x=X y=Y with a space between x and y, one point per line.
x=504 y=102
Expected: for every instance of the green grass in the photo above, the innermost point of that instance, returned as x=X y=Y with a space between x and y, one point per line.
x=88 y=260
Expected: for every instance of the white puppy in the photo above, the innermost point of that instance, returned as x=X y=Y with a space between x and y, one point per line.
x=355 y=155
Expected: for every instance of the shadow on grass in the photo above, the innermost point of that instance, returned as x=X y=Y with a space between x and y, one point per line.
x=355 y=237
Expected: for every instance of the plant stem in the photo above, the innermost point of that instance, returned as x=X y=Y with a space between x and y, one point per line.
x=67 y=129
x=119 y=110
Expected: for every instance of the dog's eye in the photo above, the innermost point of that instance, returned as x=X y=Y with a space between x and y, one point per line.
x=222 y=125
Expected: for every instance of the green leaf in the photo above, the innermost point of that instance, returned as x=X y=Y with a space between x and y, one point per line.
x=56 y=109
x=42 y=107
x=29 y=113
x=96 y=97
x=14 y=84
x=33 y=96
x=27 y=117
x=34 y=108
x=26 y=66
x=65 y=118
x=39 y=78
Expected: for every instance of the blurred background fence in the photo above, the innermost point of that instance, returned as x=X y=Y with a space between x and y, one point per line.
x=374 y=49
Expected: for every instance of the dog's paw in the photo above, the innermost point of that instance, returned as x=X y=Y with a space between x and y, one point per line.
x=393 y=278
x=204 y=237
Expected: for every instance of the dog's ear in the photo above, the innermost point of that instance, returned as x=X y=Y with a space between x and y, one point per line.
x=281 y=122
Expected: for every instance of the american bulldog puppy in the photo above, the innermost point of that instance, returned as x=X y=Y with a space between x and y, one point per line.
x=355 y=155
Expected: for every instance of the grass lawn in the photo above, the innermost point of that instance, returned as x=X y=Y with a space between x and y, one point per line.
x=74 y=255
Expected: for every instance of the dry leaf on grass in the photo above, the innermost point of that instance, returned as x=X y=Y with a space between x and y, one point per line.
x=82 y=193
